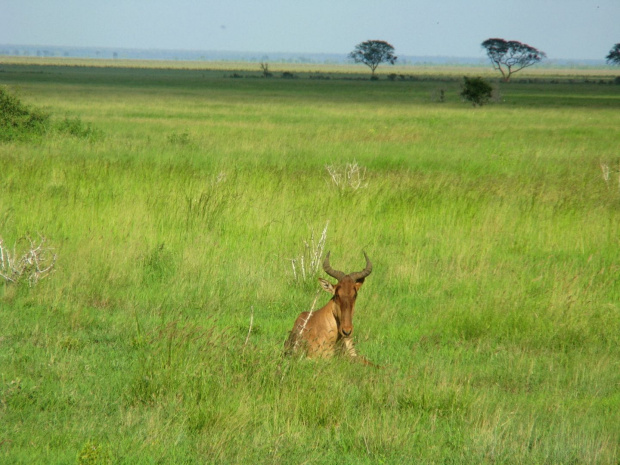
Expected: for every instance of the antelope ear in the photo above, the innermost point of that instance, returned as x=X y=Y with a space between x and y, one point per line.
x=327 y=286
x=358 y=284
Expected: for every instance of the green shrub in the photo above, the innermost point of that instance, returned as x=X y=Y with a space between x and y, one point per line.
x=17 y=121
x=179 y=138
x=21 y=122
x=74 y=127
x=476 y=90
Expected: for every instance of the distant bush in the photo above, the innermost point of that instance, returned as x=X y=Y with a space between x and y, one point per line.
x=288 y=75
x=617 y=81
x=438 y=95
x=476 y=90
x=180 y=138
x=18 y=121
x=74 y=127
x=400 y=77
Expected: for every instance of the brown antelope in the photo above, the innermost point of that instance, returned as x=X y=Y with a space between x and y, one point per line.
x=328 y=331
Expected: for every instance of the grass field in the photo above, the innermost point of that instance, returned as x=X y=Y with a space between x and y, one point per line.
x=493 y=306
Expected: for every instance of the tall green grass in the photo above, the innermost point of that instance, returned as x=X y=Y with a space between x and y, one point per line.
x=493 y=303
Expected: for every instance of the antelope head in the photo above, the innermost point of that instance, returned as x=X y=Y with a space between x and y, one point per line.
x=345 y=293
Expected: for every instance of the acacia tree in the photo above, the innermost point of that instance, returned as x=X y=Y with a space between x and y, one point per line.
x=372 y=53
x=614 y=55
x=510 y=56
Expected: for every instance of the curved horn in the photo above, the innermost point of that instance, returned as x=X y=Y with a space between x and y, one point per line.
x=330 y=271
x=365 y=272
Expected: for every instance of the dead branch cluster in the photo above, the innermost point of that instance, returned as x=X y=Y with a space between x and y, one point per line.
x=350 y=176
x=33 y=262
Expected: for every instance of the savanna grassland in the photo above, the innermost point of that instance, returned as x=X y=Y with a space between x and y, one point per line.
x=493 y=305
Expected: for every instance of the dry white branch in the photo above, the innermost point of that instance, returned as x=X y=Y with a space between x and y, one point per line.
x=308 y=263
x=33 y=263
x=607 y=171
x=350 y=176
x=247 y=338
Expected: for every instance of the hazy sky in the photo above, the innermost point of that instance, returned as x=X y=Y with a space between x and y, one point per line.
x=570 y=29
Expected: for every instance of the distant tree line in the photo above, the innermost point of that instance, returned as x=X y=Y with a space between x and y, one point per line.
x=507 y=56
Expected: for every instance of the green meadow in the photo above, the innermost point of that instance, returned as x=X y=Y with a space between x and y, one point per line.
x=180 y=218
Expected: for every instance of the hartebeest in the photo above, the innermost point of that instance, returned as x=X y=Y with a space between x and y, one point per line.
x=328 y=331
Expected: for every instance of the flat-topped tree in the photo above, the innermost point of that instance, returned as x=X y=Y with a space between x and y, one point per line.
x=510 y=56
x=372 y=53
x=613 y=58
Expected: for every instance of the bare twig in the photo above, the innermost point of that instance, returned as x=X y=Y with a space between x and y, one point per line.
x=607 y=172
x=264 y=67
x=247 y=338
x=605 y=169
